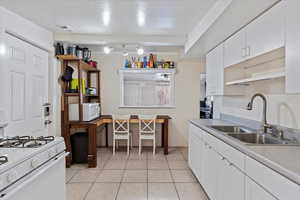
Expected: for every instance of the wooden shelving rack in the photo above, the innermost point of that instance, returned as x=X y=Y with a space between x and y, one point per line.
x=81 y=67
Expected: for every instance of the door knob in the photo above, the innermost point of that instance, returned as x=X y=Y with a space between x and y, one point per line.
x=47 y=122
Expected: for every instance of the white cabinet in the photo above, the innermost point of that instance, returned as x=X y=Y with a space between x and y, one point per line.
x=264 y=34
x=235 y=49
x=196 y=148
x=255 y=192
x=215 y=71
x=231 y=181
x=292 y=46
x=275 y=183
x=221 y=179
x=267 y=32
x=227 y=174
x=210 y=171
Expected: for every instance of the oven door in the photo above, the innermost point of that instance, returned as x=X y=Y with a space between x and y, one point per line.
x=45 y=183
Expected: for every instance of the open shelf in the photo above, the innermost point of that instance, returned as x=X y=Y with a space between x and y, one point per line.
x=68 y=57
x=71 y=94
x=87 y=67
x=89 y=95
x=162 y=70
x=272 y=75
x=83 y=65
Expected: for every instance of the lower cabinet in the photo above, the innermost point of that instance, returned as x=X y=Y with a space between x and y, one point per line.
x=255 y=192
x=231 y=181
x=227 y=174
x=196 y=154
x=210 y=171
x=220 y=178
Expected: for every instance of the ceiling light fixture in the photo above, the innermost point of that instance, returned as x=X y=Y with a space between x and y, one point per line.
x=2 y=49
x=106 y=18
x=140 y=51
x=141 y=18
x=107 y=50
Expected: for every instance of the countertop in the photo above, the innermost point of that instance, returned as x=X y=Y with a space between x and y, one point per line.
x=283 y=159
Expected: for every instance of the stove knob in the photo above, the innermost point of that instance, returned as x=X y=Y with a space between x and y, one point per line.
x=11 y=177
x=34 y=163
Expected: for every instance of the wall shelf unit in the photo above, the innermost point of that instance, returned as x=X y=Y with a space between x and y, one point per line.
x=268 y=66
x=149 y=70
x=259 y=78
x=83 y=65
x=91 y=76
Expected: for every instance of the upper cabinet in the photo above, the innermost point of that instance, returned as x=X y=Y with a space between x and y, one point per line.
x=235 y=49
x=292 y=46
x=266 y=33
x=271 y=38
x=214 y=71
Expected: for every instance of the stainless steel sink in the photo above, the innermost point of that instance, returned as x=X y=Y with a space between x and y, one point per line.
x=260 y=139
x=231 y=129
x=249 y=137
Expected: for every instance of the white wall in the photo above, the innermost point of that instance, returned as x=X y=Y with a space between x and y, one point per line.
x=187 y=94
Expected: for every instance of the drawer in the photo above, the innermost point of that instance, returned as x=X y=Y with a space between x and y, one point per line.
x=211 y=140
x=276 y=184
x=196 y=131
x=232 y=155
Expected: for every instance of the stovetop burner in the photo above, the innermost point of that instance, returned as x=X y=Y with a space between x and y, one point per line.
x=25 y=142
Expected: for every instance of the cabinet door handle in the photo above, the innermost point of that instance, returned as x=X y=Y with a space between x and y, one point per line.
x=244 y=52
x=248 y=51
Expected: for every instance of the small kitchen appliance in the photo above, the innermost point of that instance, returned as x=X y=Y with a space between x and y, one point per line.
x=90 y=111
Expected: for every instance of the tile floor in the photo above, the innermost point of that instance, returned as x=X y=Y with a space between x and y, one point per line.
x=135 y=177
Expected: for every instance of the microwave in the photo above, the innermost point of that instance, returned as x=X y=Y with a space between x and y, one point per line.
x=90 y=111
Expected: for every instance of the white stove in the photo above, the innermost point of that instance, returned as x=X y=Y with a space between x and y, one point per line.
x=29 y=167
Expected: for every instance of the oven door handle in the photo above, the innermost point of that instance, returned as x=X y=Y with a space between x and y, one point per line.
x=6 y=195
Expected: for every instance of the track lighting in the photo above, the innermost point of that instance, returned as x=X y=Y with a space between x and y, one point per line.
x=140 y=51
x=107 y=50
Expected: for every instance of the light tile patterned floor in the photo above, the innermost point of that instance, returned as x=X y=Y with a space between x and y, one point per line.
x=135 y=177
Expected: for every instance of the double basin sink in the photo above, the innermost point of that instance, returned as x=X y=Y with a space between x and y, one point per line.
x=249 y=137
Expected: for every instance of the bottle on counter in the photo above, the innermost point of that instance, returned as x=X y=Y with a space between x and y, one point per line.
x=151 y=61
x=145 y=62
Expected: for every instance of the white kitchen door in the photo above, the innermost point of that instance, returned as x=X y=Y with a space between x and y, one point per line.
x=24 y=87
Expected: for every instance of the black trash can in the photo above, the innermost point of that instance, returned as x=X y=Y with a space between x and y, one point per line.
x=79 y=143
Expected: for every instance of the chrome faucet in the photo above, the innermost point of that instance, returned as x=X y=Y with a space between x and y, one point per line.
x=266 y=126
